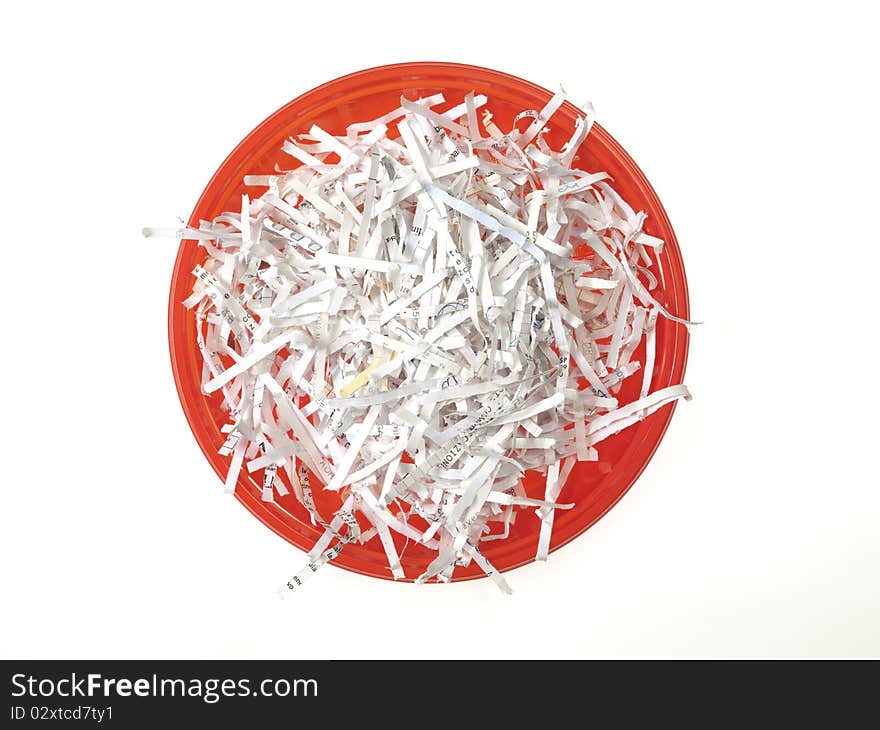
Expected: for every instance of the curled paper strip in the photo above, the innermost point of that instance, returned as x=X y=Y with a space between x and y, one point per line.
x=415 y=314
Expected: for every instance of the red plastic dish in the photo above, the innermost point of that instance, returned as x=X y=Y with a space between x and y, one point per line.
x=594 y=487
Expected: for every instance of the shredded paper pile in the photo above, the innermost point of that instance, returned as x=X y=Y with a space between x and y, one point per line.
x=402 y=317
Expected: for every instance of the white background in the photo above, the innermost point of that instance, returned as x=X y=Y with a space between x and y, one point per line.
x=754 y=531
